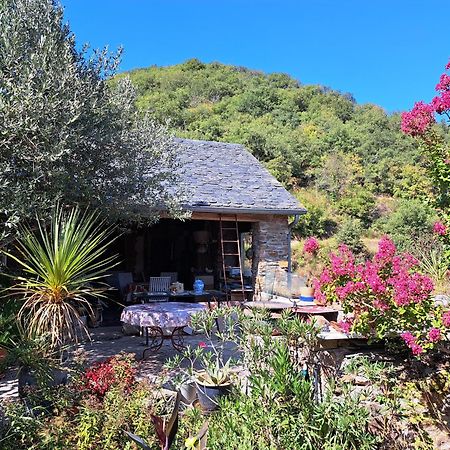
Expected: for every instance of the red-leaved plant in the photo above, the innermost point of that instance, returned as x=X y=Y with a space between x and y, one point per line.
x=384 y=297
x=115 y=372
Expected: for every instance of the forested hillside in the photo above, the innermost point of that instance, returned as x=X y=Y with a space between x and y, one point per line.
x=348 y=163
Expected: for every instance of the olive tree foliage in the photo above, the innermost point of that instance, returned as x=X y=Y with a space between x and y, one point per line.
x=66 y=134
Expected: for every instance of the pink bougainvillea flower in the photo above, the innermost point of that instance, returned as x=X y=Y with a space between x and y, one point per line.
x=202 y=344
x=446 y=318
x=434 y=335
x=346 y=325
x=416 y=349
x=441 y=103
x=386 y=250
x=439 y=228
x=444 y=83
x=311 y=246
x=418 y=120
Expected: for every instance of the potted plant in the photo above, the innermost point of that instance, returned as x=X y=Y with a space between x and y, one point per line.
x=310 y=264
x=208 y=368
x=37 y=364
x=212 y=384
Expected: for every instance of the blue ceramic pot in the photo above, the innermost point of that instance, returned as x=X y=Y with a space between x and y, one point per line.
x=198 y=286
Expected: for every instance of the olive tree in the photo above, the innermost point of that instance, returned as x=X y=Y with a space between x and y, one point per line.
x=67 y=135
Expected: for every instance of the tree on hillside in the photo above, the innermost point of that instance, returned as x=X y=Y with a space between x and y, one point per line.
x=65 y=134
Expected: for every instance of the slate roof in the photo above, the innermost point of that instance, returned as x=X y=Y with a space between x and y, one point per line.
x=222 y=177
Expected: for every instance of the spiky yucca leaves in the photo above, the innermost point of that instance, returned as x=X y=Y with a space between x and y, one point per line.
x=60 y=263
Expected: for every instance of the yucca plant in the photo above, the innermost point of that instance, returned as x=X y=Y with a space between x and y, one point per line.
x=60 y=264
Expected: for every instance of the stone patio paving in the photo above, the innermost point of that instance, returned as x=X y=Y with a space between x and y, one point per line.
x=106 y=342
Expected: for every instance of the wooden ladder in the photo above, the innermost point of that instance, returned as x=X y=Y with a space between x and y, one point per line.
x=232 y=240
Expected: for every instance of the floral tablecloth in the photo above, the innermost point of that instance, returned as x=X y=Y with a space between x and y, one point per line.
x=163 y=315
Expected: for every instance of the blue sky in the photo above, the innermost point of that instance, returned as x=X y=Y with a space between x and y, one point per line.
x=388 y=52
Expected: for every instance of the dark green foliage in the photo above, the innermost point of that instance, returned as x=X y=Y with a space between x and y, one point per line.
x=411 y=219
x=275 y=117
x=307 y=136
x=358 y=203
x=280 y=412
x=65 y=134
x=350 y=233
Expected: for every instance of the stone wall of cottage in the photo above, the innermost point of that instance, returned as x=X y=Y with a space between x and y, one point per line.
x=270 y=254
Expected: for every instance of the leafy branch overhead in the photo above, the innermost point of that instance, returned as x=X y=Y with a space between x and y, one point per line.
x=65 y=133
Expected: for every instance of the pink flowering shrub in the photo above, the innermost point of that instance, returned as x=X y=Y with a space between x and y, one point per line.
x=311 y=246
x=419 y=120
x=310 y=261
x=439 y=228
x=419 y=123
x=384 y=297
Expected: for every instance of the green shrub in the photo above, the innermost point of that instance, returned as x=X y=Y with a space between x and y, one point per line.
x=358 y=203
x=410 y=220
x=350 y=233
x=281 y=412
x=67 y=417
x=319 y=220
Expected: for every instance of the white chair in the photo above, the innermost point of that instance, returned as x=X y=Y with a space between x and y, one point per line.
x=158 y=289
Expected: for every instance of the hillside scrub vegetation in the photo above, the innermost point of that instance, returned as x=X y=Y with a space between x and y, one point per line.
x=348 y=163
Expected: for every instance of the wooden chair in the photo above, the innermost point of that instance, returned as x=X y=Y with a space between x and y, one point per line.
x=158 y=285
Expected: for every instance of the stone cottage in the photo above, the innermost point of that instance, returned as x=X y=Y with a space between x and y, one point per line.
x=231 y=198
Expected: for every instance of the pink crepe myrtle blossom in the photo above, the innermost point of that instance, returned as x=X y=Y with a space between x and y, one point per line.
x=343 y=263
x=418 y=120
x=446 y=319
x=403 y=263
x=410 y=288
x=439 y=228
x=434 y=335
x=346 y=325
x=311 y=246
x=382 y=295
x=444 y=83
x=386 y=250
x=441 y=103
x=408 y=337
x=381 y=305
x=411 y=342
x=416 y=349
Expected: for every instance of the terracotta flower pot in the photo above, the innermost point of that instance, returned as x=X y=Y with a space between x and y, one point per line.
x=3 y=353
x=306 y=291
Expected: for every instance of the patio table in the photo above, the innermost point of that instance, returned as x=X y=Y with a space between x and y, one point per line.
x=329 y=312
x=155 y=317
